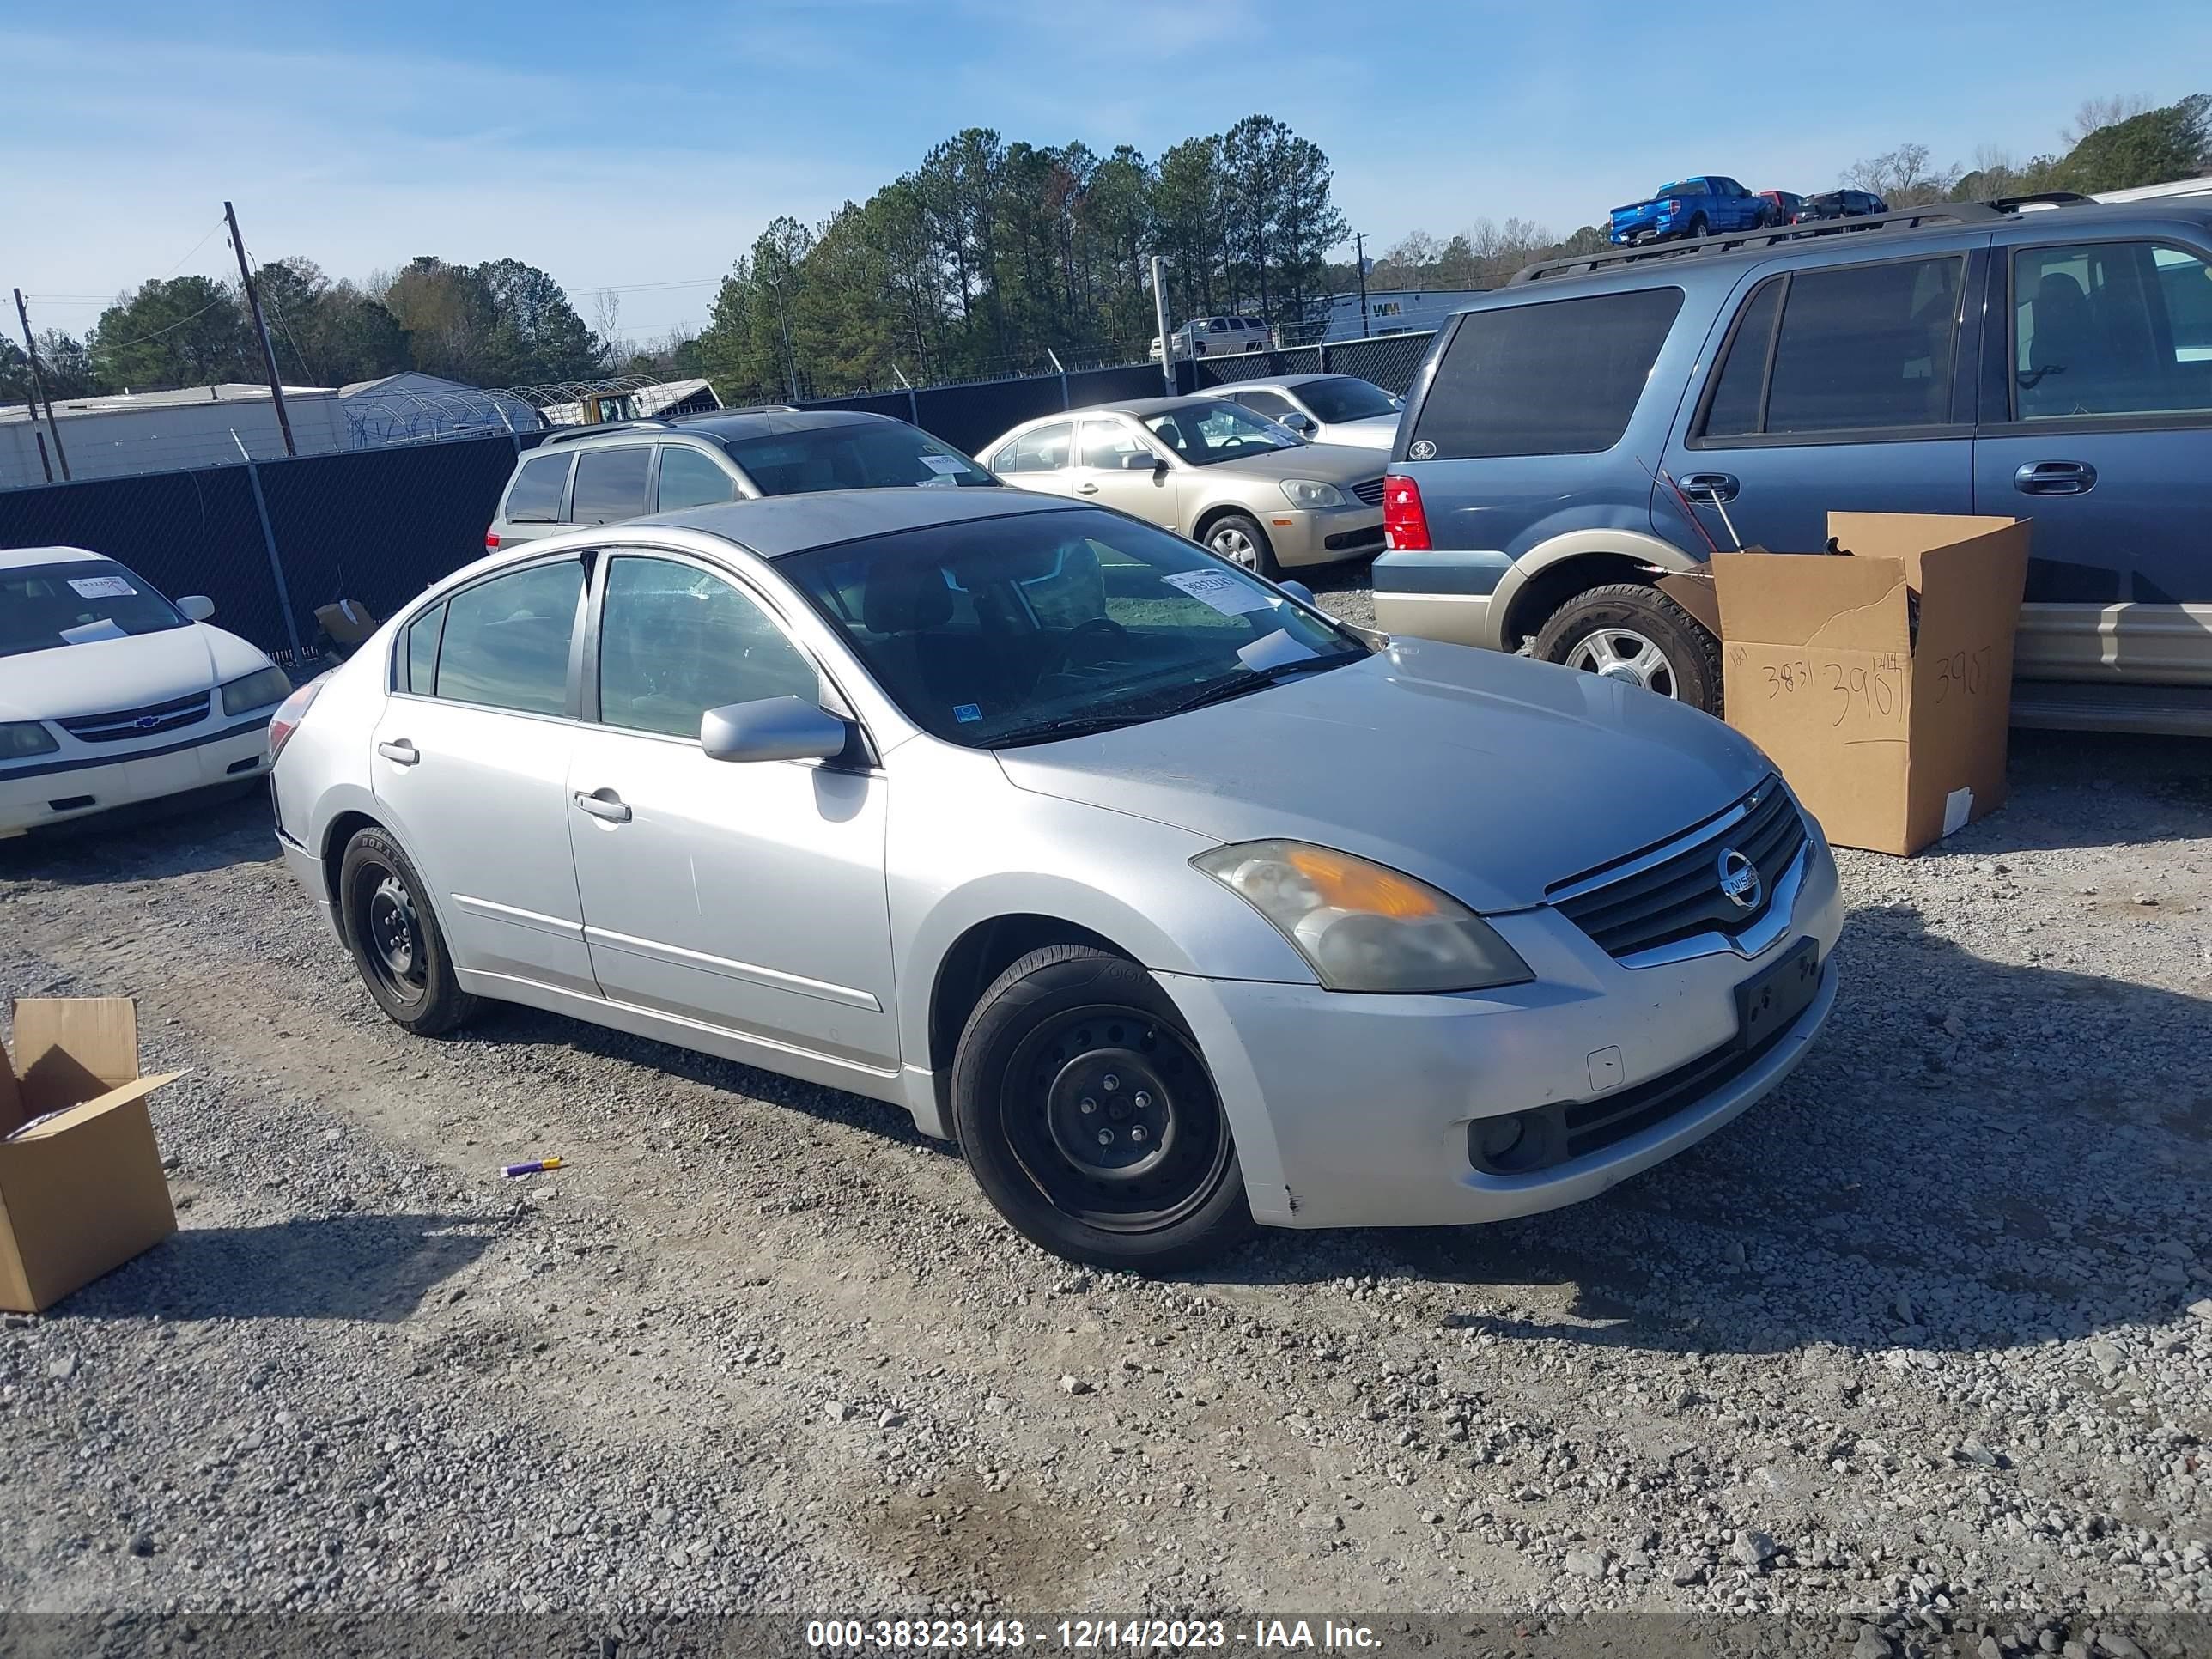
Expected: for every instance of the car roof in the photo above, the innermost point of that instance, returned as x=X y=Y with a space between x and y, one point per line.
x=18 y=558
x=777 y=526
x=1671 y=263
x=757 y=423
x=1290 y=382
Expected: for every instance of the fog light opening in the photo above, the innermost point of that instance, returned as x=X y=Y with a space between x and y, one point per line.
x=1512 y=1144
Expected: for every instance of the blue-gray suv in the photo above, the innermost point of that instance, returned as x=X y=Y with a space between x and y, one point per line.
x=1599 y=423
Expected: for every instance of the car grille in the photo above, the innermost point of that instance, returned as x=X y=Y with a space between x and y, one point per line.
x=148 y=722
x=1678 y=896
x=1371 y=492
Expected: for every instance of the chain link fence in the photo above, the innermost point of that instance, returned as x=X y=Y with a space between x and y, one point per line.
x=271 y=540
x=1390 y=360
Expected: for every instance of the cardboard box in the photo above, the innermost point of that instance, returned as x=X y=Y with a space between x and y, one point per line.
x=81 y=1193
x=348 y=622
x=1881 y=684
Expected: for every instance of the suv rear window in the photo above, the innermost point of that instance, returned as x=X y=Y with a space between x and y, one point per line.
x=1859 y=348
x=535 y=498
x=1559 y=377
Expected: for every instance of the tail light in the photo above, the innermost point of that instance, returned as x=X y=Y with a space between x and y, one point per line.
x=1404 y=521
x=491 y=541
x=289 y=712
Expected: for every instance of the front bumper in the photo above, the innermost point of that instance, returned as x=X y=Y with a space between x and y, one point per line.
x=1353 y=1110
x=78 y=784
x=1323 y=535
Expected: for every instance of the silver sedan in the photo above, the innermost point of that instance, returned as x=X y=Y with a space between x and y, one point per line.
x=1176 y=903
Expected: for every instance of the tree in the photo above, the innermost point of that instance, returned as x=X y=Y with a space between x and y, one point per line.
x=180 y=331
x=2095 y=113
x=447 y=312
x=326 y=333
x=2154 y=148
x=1903 y=177
x=535 y=335
x=64 y=368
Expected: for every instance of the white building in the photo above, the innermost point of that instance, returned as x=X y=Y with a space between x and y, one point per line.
x=127 y=433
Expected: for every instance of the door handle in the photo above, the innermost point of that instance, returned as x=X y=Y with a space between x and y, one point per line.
x=1711 y=486
x=2055 y=478
x=401 y=753
x=1086 y=489
x=605 y=804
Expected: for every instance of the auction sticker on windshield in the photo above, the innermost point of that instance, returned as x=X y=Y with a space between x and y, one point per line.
x=101 y=588
x=1224 y=591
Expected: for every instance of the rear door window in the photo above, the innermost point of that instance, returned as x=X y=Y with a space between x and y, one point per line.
x=506 y=641
x=611 y=484
x=1857 y=348
x=1044 y=450
x=1560 y=377
x=422 y=669
x=689 y=478
x=535 y=496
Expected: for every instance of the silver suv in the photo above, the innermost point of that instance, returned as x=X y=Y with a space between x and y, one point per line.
x=596 y=475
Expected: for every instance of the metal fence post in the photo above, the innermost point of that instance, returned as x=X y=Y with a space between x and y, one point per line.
x=276 y=564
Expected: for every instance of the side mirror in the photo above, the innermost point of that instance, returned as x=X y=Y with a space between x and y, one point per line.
x=196 y=607
x=1300 y=423
x=1299 y=591
x=1159 y=467
x=771 y=729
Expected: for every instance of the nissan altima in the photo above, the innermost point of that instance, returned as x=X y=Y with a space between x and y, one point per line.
x=1176 y=903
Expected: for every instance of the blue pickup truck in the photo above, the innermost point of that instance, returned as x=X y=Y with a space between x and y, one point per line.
x=1695 y=207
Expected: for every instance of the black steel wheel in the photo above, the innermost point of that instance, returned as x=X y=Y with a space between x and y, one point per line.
x=395 y=939
x=1090 y=1118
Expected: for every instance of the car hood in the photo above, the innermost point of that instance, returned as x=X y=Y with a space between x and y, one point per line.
x=1334 y=464
x=101 y=675
x=1491 y=777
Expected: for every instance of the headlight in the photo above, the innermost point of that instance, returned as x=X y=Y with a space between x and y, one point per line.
x=1312 y=492
x=259 y=689
x=1364 y=927
x=20 y=739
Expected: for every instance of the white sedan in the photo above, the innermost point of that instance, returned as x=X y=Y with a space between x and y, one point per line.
x=109 y=694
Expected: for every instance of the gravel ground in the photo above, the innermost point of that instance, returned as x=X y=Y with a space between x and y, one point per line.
x=1922 y=1344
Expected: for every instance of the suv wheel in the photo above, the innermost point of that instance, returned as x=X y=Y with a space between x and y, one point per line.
x=1088 y=1116
x=1628 y=632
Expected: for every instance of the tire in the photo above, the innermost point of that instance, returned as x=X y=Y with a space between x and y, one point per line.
x=397 y=944
x=1592 y=630
x=1698 y=227
x=1064 y=1038
x=1237 y=538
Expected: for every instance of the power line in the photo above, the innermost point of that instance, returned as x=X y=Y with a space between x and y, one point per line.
x=171 y=329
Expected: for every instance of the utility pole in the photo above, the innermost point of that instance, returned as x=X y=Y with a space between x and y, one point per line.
x=261 y=328
x=38 y=385
x=1360 y=256
x=1160 y=316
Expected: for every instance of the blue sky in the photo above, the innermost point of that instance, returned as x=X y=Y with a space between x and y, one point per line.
x=642 y=146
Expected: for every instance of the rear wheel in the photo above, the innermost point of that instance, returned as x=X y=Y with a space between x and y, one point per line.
x=1237 y=538
x=1089 y=1117
x=1696 y=226
x=395 y=940
x=1634 y=633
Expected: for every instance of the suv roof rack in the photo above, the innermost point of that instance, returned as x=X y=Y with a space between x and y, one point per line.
x=1903 y=219
x=738 y=408
x=568 y=434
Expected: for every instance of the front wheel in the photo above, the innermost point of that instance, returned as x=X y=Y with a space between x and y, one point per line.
x=1089 y=1117
x=395 y=939
x=1638 y=636
x=1237 y=538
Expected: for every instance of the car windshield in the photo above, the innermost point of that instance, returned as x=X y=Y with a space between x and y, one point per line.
x=43 y=606
x=861 y=455
x=1208 y=430
x=1348 y=398
x=995 y=632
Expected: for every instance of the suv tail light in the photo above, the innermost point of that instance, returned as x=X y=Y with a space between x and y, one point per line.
x=1404 y=521
x=491 y=540
x=289 y=712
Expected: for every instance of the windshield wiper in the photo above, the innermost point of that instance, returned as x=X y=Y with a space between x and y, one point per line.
x=1246 y=680
x=1066 y=725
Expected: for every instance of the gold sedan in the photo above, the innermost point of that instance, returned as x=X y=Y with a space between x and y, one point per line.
x=1255 y=492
